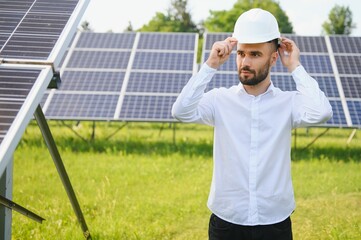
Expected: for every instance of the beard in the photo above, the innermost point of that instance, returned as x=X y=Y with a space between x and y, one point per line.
x=258 y=77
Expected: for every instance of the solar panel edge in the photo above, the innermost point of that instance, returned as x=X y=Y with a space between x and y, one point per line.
x=24 y=115
x=70 y=28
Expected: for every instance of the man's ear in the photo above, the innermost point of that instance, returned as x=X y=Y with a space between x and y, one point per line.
x=274 y=58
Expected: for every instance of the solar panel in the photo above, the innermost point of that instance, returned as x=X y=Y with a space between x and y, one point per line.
x=30 y=31
x=351 y=86
x=345 y=44
x=338 y=118
x=119 y=67
x=164 y=61
x=35 y=27
x=147 y=108
x=18 y=98
x=355 y=111
x=157 y=82
x=106 y=40
x=309 y=44
x=349 y=64
x=82 y=106
x=99 y=59
x=102 y=81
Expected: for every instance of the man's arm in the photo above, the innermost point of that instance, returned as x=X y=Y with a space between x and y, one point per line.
x=310 y=104
x=187 y=107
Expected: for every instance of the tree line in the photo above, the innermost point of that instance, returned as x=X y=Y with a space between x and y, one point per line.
x=178 y=18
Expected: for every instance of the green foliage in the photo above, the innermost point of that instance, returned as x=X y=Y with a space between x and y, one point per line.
x=223 y=21
x=177 y=19
x=339 y=21
x=138 y=184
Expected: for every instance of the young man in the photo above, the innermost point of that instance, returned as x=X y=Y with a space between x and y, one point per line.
x=251 y=194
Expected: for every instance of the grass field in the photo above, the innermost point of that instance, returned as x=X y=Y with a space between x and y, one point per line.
x=140 y=185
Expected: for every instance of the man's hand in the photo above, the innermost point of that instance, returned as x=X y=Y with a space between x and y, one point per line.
x=220 y=52
x=289 y=53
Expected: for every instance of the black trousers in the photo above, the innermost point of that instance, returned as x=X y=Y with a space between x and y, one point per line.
x=223 y=230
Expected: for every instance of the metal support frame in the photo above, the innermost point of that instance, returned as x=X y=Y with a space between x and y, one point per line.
x=44 y=128
x=20 y=209
x=6 y=190
x=351 y=136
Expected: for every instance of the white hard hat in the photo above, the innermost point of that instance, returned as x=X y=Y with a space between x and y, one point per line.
x=256 y=26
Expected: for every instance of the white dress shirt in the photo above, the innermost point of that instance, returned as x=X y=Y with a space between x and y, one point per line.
x=251 y=182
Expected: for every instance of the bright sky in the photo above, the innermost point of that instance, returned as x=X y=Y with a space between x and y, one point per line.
x=306 y=16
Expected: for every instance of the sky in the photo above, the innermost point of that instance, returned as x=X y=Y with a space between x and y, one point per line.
x=306 y=16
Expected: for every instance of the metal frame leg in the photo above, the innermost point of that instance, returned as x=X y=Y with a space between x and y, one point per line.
x=44 y=128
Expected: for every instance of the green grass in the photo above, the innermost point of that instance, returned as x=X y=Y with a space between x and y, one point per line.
x=139 y=185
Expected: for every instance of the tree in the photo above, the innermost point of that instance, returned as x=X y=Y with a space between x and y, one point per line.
x=339 y=21
x=223 y=21
x=86 y=26
x=177 y=19
x=129 y=28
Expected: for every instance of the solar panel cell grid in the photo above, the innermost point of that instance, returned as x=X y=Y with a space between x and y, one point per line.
x=33 y=29
x=285 y=83
x=92 y=81
x=309 y=44
x=82 y=106
x=157 y=82
x=348 y=64
x=151 y=108
x=351 y=86
x=338 y=118
x=163 y=61
x=106 y=40
x=166 y=41
x=345 y=44
x=226 y=80
x=355 y=112
x=99 y=59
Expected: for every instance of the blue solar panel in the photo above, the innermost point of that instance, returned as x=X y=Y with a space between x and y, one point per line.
x=210 y=38
x=147 y=108
x=226 y=80
x=349 y=64
x=82 y=106
x=99 y=59
x=99 y=81
x=338 y=118
x=345 y=44
x=166 y=41
x=316 y=63
x=157 y=82
x=328 y=85
x=355 y=111
x=163 y=61
x=284 y=82
x=33 y=28
x=351 y=86
x=309 y=44
x=106 y=40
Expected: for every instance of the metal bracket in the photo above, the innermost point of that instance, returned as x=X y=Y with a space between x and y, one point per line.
x=16 y=207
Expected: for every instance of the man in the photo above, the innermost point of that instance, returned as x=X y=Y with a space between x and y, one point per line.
x=251 y=194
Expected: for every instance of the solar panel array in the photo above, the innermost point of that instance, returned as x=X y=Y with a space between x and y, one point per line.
x=137 y=76
x=32 y=35
x=123 y=76
x=334 y=61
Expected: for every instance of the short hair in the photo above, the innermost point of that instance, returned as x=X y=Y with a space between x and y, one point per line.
x=275 y=43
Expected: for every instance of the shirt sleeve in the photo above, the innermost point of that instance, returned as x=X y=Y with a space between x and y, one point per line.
x=192 y=104
x=310 y=104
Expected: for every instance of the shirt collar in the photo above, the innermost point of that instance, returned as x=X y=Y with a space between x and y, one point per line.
x=271 y=89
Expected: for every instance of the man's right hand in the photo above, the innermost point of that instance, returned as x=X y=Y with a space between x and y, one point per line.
x=220 y=52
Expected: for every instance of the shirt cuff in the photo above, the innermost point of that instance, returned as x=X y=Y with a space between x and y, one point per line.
x=207 y=69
